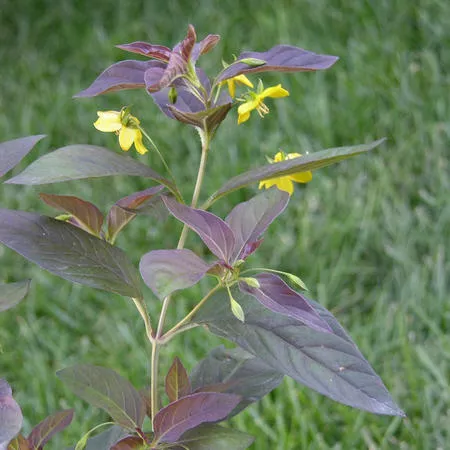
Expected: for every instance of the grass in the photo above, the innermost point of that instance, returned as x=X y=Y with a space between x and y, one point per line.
x=370 y=236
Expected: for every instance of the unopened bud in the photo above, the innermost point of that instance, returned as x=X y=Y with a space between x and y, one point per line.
x=173 y=95
x=253 y=62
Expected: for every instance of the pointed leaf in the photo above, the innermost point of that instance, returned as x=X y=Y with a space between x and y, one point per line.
x=304 y=163
x=188 y=412
x=12 y=152
x=207 y=437
x=76 y=162
x=130 y=443
x=19 y=443
x=69 y=252
x=126 y=209
x=235 y=371
x=12 y=293
x=329 y=363
x=166 y=271
x=213 y=231
x=106 y=389
x=276 y=295
x=106 y=439
x=249 y=220
x=159 y=52
x=177 y=381
x=87 y=214
x=10 y=415
x=127 y=74
x=281 y=58
x=46 y=429
x=205 y=45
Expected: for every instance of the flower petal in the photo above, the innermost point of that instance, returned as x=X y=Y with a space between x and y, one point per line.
x=127 y=137
x=242 y=79
x=108 y=121
x=140 y=147
x=231 y=87
x=248 y=106
x=274 y=92
x=301 y=177
x=243 y=117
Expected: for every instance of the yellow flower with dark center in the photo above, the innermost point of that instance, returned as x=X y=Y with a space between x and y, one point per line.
x=124 y=125
x=238 y=79
x=255 y=100
x=286 y=182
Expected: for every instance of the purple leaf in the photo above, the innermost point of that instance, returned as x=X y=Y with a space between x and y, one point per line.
x=76 y=162
x=213 y=231
x=329 y=363
x=12 y=293
x=249 y=220
x=304 y=163
x=106 y=389
x=127 y=74
x=18 y=443
x=10 y=414
x=166 y=271
x=159 y=52
x=211 y=436
x=188 y=412
x=46 y=429
x=69 y=252
x=234 y=371
x=12 y=152
x=130 y=443
x=87 y=214
x=205 y=46
x=127 y=208
x=177 y=381
x=281 y=58
x=276 y=295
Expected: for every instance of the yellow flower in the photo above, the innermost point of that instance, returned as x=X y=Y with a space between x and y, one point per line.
x=124 y=125
x=256 y=101
x=238 y=79
x=285 y=183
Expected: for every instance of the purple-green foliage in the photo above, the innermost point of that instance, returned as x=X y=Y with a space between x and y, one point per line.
x=282 y=332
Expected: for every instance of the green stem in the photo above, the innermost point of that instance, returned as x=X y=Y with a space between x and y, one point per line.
x=159 y=332
x=182 y=323
x=142 y=308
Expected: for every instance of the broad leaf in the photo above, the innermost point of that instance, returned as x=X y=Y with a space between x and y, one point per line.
x=281 y=58
x=69 y=252
x=76 y=162
x=329 y=363
x=304 y=163
x=177 y=381
x=249 y=220
x=130 y=443
x=44 y=431
x=12 y=152
x=126 y=209
x=189 y=412
x=106 y=389
x=159 y=52
x=208 y=437
x=127 y=74
x=88 y=216
x=276 y=295
x=213 y=231
x=18 y=443
x=10 y=415
x=12 y=293
x=234 y=371
x=105 y=440
x=166 y=271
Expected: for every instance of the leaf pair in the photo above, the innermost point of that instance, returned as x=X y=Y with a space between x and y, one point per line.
x=89 y=218
x=105 y=389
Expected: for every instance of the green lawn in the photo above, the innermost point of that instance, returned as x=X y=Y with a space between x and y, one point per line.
x=370 y=236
